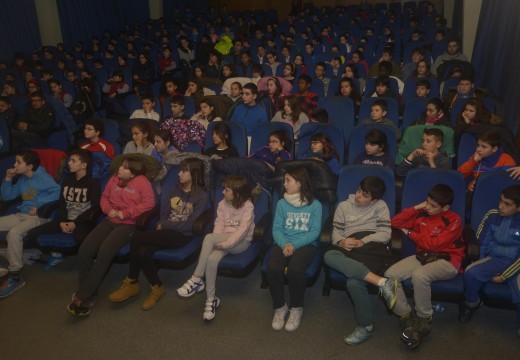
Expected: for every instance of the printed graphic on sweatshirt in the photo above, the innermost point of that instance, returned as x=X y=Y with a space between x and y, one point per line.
x=29 y=194
x=297 y=221
x=181 y=209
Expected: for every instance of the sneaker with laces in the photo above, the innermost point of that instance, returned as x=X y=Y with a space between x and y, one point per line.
x=10 y=285
x=158 y=291
x=79 y=308
x=211 y=308
x=53 y=260
x=279 y=317
x=129 y=288
x=89 y=302
x=413 y=335
x=295 y=315
x=466 y=312
x=191 y=287
x=359 y=335
x=389 y=292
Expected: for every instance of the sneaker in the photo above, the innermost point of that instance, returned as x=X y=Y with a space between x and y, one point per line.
x=295 y=315
x=3 y=272
x=10 y=285
x=413 y=335
x=405 y=322
x=158 y=291
x=389 y=292
x=279 y=317
x=359 y=335
x=466 y=312
x=190 y=288
x=79 y=308
x=53 y=260
x=129 y=288
x=89 y=302
x=210 y=309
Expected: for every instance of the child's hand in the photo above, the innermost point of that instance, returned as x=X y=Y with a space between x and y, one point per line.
x=514 y=172
x=351 y=243
x=497 y=279
x=33 y=211
x=10 y=173
x=477 y=157
x=288 y=250
x=421 y=206
x=112 y=213
x=136 y=77
x=218 y=246
x=120 y=215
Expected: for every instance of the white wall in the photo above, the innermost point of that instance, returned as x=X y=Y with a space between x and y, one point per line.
x=471 y=14
x=48 y=21
x=156 y=9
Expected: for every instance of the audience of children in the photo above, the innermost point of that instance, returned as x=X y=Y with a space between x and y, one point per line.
x=376 y=150
x=378 y=116
x=93 y=131
x=206 y=114
x=142 y=139
x=322 y=149
x=224 y=147
x=291 y=114
x=278 y=149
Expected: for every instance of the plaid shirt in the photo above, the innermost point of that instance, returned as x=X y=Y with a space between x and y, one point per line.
x=308 y=103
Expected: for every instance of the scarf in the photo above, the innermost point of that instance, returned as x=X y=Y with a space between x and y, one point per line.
x=294 y=200
x=433 y=121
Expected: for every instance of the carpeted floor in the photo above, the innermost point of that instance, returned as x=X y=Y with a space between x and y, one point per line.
x=37 y=325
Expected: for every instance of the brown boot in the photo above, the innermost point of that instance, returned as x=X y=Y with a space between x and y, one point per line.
x=128 y=289
x=158 y=291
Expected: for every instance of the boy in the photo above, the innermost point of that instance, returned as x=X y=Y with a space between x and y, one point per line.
x=360 y=237
x=377 y=116
x=78 y=205
x=308 y=99
x=249 y=113
x=489 y=156
x=320 y=72
x=93 y=131
x=147 y=111
x=36 y=188
x=436 y=231
x=320 y=116
x=115 y=89
x=499 y=250
x=428 y=155
x=422 y=88
x=8 y=113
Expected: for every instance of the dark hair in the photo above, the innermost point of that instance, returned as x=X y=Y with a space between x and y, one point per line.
x=438 y=103
x=38 y=94
x=222 y=131
x=97 y=124
x=328 y=148
x=252 y=87
x=354 y=69
x=177 y=99
x=481 y=112
x=423 y=82
x=383 y=81
x=436 y=133
x=284 y=138
x=428 y=71
x=135 y=165
x=386 y=65
x=84 y=156
x=305 y=78
x=196 y=169
x=294 y=104
x=54 y=81
x=164 y=135
x=145 y=129
x=322 y=64
x=491 y=137
x=30 y=158
x=374 y=186
x=278 y=90
x=301 y=175
x=377 y=137
x=240 y=188
x=148 y=97
x=512 y=193
x=118 y=73
x=256 y=68
x=381 y=103
x=354 y=95
x=321 y=116
x=442 y=194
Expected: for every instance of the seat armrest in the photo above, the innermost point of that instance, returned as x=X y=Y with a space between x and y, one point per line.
x=143 y=221
x=45 y=211
x=200 y=224
x=262 y=227
x=472 y=245
x=326 y=232
x=396 y=241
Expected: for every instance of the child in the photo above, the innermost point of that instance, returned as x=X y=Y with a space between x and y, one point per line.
x=308 y=99
x=147 y=112
x=8 y=113
x=57 y=92
x=232 y=234
x=499 y=249
x=162 y=145
x=188 y=199
x=489 y=156
x=434 y=114
x=437 y=231
x=378 y=116
x=127 y=195
x=383 y=89
x=360 y=250
x=292 y=114
x=428 y=155
x=114 y=89
x=296 y=227
x=322 y=149
x=320 y=116
x=235 y=91
x=206 y=114
x=36 y=188
x=78 y=205
x=223 y=148
x=93 y=131
x=422 y=88
x=276 y=151
x=376 y=150
x=142 y=139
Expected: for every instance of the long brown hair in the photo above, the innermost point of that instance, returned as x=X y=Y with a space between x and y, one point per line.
x=240 y=188
x=301 y=175
x=294 y=104
x=196 y=168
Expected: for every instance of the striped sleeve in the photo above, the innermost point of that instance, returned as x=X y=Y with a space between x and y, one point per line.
x=511 y=270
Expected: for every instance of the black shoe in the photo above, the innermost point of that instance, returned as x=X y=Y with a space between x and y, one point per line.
x=79 y=308
x=466 y=312
x=413 y=335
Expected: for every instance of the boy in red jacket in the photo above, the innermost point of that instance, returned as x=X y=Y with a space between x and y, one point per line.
x=436 y=231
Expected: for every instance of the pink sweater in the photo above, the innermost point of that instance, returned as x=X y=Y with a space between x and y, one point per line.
x=133 y=199
x=237 y=222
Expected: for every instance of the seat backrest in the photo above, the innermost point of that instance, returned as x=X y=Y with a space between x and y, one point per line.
x=341 y=113
x=238 y=136
x=4 y=137
x=350 y=177
x=412 y=110
x=357 y=142
x=392 y=109
x=168 y=183
x=260 y=135
x=467 y=146
x=333 y=132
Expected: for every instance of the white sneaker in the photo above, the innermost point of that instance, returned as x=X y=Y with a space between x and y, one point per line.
x=211 y=308
x=279 y=317
x=190 y=288
x=295 y=315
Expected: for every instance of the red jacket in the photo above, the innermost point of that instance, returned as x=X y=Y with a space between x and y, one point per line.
x=436 y=233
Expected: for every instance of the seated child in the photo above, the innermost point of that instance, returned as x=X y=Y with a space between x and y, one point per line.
x=322 y=149
x=360 y=250
x=428 y=155
x=235 y=91
x=36 y=187
x=435 y=230
x=232 y=234
x=291 y=114
x=115 y=89
x=499 y=250
x=206 y=114
x=422 y=88
x=489 y=156
x=147 y=111
x=223 y=148
x=8 y=113
x=162 y=144
x=376 y=150
x=320 y=116
x=93 y=131
x=57 y=92
x=142 y=138
x=276 y=151
x=377 y=116
x=434 y=114
x=383 y=89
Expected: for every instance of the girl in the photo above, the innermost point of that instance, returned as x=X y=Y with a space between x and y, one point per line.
x=434 y=114
x=143 y=74
x=274 y=90
x=322 y=149
x=276 y=151
x=376 y=150
x=206 y=114
x=474 y=113
x=223 y=148
x=422 y=70
x=186 y=54
x=196 y=90
x=232 y=234
x=166 y=64
x=187 y=201
x=351 y=71
x=141 y=142
x=93 y=130
x=299 y=62
x=296 y=227
x=127 y=195
x=227 y=72
x=289 y=70
x=348 y=88
x=292 y=114
x=163 y=144
x=235 y=91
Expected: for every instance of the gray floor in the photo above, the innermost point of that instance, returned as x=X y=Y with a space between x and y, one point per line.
x=37 y=325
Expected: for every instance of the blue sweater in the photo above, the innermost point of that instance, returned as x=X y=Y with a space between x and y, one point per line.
x=499 y=236
x=35 y=191
x=298 y=226
x=249 y=116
